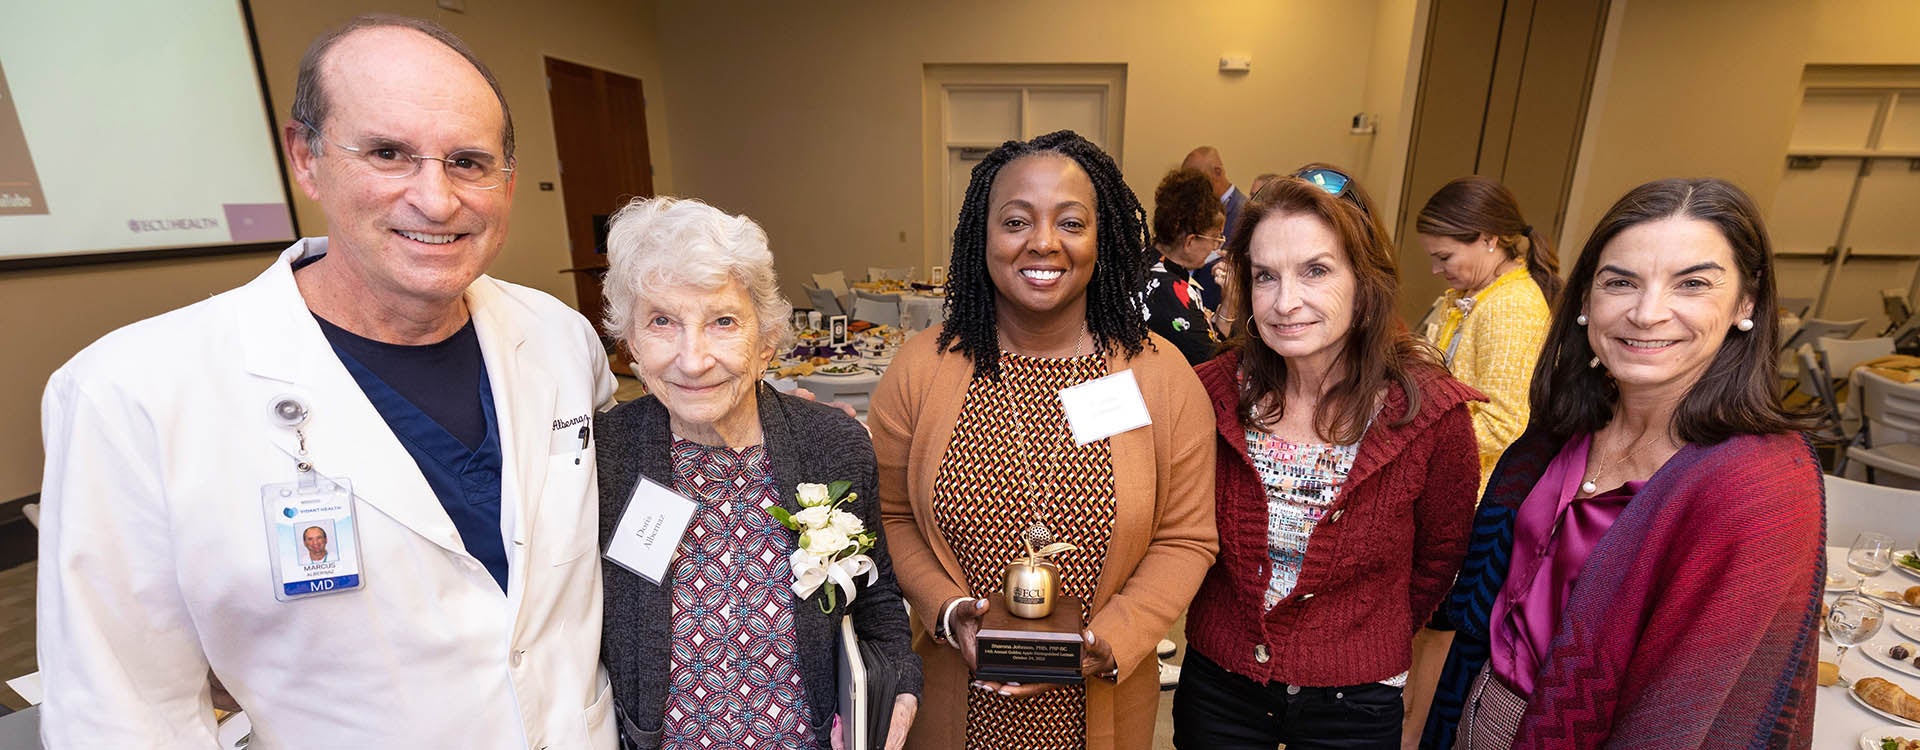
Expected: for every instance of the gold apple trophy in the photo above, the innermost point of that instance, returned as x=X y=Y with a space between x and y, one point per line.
x=1035 y=636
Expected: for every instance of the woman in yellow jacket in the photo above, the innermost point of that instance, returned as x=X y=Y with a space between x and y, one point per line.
x=1490 y=325
x=1491 y=322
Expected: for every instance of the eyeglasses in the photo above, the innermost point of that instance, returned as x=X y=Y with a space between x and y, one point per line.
x=1332 y=181
x=1218 y=242
x=473 y=168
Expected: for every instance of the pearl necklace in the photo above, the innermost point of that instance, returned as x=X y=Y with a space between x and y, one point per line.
x=1592 y=485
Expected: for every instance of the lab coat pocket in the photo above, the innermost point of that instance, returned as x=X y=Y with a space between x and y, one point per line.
x=599 y=718
x=569 y=510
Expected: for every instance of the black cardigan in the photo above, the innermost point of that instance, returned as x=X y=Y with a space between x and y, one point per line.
x=807 y=442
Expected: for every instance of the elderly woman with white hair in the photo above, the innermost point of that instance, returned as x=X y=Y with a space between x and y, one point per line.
x=728 y=650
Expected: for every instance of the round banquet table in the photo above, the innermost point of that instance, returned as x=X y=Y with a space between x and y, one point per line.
x=855 y=389
x=1837 y=719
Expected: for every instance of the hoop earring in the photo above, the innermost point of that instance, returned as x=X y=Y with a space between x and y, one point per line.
x=1580 y=319
x=1745 y=324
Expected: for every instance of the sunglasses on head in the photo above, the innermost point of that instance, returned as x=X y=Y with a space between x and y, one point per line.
x=1334 y=182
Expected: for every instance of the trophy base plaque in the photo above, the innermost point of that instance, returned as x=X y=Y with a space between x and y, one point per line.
x=1015 y=649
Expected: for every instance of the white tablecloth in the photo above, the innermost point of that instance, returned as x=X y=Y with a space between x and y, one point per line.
x=919 y=312
x=1837 y=719
x=855 y=389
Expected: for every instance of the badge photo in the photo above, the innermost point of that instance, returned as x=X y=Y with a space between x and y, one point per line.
x=312 y=536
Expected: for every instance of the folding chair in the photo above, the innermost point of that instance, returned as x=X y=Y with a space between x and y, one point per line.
x=878 y=309
x=1890 y=423
x=824 y=301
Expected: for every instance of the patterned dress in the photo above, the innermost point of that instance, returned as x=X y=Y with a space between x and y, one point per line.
x=733 y=681
x=1011 y=446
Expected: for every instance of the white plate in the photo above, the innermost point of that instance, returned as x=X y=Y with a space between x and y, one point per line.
x=1908 y=628
x=1863 y=704
x=1900 y=553
x=1889 y=598
x=1842 y=579
x=235 y=728
x=1870 y=739
x=823 y=373
x=1879 y=653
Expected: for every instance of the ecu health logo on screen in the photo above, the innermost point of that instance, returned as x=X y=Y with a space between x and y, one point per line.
x=19 y=184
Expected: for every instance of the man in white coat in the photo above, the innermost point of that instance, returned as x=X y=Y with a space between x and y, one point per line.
x=373 y=383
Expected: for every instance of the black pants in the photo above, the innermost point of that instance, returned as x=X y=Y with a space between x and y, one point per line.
x=1214 y=709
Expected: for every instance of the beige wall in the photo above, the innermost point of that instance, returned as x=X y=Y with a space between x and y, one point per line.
x=807 y=117
x=1712 y=87
x=1704 y=88
x=1865 y=32
x=1393 y=82
x=50 y=314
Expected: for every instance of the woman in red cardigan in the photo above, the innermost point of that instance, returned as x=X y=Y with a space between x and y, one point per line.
x=1345 y=485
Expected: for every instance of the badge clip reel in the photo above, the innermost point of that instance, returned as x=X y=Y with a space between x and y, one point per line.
x=312 y=535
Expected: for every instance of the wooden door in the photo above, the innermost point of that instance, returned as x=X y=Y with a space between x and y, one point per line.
x=600 y=129
x=1503 y=93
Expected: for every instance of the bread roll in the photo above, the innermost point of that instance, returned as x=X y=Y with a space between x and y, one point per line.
x=1911 y=596
x=1888 y=697
x=1829 y=673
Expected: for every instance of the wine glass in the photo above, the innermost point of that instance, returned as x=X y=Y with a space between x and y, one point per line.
x=1870 y=555
x=1853 y=619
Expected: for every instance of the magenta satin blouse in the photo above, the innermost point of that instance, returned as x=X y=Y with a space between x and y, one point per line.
x=1552 y=537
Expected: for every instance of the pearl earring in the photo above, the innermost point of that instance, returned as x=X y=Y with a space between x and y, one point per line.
x=1593 y=363
x=1581 y=318
x=1745 y=324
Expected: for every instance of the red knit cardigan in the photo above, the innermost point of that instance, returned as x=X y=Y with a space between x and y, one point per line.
x=1378 y=562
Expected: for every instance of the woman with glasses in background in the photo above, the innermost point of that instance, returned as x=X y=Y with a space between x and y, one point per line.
x=1345 y=483
x=1647 y=564
x=1187 y=226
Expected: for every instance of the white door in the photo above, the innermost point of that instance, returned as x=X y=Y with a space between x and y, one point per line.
x=976 y=108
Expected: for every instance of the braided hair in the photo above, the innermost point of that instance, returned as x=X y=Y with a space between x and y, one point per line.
x=1114 y=314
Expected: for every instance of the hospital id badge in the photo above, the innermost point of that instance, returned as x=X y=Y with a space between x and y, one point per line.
x=312 y=537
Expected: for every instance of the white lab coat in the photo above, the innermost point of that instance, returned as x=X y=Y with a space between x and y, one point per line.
x=154 y=561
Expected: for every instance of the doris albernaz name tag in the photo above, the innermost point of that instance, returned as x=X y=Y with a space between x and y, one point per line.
x=649 y=531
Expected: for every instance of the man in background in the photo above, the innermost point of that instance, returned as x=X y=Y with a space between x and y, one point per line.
x=1207 y=160
x=377 y=379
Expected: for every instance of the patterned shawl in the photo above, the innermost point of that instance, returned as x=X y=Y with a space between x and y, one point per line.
x=1694 y=622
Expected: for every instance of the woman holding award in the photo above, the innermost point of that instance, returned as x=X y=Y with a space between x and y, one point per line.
x=734 y=641
x=1346 y=480
x=1044 y=414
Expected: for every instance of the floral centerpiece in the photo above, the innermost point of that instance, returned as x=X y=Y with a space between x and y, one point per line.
x=831 y=552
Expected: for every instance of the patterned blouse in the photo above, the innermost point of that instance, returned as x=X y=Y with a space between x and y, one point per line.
x=1012 y=461
x=1174 y=310
x=733 y=681
x=1492 y=342
x=1302 y=481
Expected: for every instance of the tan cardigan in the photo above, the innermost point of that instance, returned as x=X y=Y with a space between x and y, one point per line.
x=1163 y=542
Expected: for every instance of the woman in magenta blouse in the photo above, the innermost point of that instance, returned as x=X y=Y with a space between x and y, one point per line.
x=1647 y=561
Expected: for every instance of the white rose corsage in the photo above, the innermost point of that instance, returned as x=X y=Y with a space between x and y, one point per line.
x=833 y=543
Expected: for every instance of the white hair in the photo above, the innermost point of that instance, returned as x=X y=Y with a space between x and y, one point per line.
x=655 y=243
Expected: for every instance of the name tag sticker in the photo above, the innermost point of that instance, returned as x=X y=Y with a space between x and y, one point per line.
x=1104 y=407
x=649 y=531
x=312 y=537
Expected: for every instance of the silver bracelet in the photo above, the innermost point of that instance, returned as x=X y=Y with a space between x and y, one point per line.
x=943 y=630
